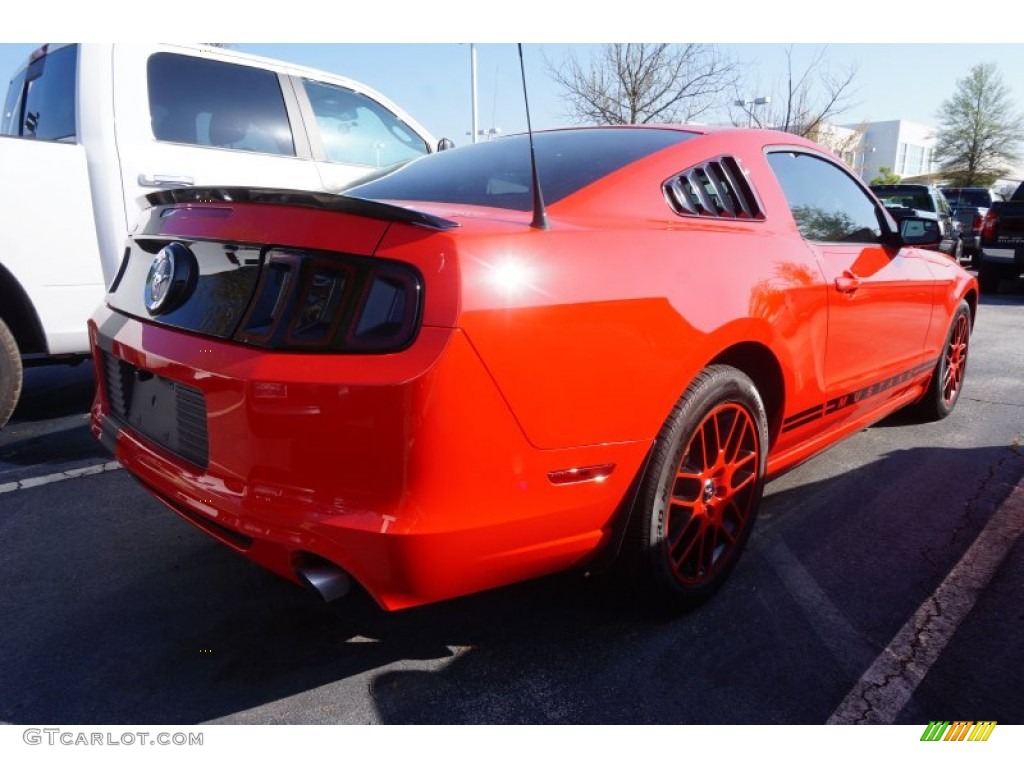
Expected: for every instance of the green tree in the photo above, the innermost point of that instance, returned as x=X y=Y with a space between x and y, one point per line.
x=886 y=176
x=979 y=130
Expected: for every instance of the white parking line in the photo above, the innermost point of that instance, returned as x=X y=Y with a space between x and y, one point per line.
x=35 y=482
x=886 y=687
x=851 y=650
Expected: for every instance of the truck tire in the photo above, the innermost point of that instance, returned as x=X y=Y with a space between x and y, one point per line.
x=989 y=277
x=10 y=373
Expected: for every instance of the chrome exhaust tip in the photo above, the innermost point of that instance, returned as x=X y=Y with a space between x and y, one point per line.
x=324 y=577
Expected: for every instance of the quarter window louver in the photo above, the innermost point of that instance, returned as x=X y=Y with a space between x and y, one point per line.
x=717 y=188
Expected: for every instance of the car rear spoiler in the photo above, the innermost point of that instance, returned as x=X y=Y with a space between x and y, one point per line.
x=319 y=200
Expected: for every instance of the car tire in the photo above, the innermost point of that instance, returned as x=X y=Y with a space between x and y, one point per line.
x=948 y=379
x=10 y=373
x=700 y=492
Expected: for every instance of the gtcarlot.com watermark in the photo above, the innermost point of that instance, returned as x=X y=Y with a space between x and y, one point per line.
x=69 y=738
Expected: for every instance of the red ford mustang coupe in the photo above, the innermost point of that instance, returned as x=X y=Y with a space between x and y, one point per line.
x=430 y=385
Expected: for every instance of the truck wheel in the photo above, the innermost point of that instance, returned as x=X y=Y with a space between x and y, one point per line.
x=989 y=277
x=10 y=373
x=958 y=251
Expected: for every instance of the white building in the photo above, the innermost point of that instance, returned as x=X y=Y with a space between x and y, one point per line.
x=904 y=147
x=844 y=142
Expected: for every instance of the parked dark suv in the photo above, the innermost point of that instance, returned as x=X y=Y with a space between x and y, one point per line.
x=924 y=201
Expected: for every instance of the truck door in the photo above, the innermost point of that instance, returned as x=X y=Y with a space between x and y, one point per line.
x=190 y=117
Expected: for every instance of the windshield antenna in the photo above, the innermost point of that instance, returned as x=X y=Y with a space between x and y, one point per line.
x=540 y=216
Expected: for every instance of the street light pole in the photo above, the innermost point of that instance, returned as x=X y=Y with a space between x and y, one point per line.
x=749 y=104
x=472 y=64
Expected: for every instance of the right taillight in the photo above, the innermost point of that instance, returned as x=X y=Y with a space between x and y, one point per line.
x=333 y=302
x=988 y=226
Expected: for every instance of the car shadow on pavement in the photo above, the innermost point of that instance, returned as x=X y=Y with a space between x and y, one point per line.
x=748 y=656
x=124 y=614
x=53 y=391
x=49 y=430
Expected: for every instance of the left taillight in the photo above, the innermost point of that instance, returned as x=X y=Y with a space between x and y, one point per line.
x=333 y=302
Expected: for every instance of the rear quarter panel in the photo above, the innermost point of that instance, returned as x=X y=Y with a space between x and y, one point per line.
x=594 y=329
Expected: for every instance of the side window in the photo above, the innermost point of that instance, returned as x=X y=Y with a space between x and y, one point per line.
x=10 y=125
x=356 y=130
x=826 y=203
x=40 y=102
x=217 y=104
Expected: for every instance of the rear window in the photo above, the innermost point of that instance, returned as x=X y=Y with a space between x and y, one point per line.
x=497 y=173
x=217 y=104
x=974 y=198
x=40 y=101
x=905 y=196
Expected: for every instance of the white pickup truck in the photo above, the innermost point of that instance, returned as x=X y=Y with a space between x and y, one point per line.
x=88 y=129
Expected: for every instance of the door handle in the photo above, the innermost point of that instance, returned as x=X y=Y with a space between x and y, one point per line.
x=163 y=180
x=847 y=283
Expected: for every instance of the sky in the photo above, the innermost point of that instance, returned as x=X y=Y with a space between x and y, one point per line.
x=412 y=51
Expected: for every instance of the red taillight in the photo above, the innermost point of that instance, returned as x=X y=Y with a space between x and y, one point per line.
x=988 y=227
x=977 y=224
x=333 y=302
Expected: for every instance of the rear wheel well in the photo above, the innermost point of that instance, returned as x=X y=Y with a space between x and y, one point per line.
x=972 y=302
x=20 y=316
x=763 y=368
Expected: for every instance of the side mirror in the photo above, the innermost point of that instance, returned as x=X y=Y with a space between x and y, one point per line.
x=919 y=232
x=444 y=144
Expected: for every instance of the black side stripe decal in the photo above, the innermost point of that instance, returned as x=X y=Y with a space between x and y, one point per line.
x=845 y=401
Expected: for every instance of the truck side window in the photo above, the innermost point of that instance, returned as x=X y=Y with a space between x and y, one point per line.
x=217 y=104
x=40 y=102
x=356 y=130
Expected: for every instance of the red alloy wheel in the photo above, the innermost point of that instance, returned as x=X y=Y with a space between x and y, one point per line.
x=955 y=363
x=714 y=495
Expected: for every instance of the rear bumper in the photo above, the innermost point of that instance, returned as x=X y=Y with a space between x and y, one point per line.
x=407 y=470
x=1007 y=257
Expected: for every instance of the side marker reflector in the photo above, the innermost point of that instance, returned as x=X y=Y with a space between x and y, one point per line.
x=597 y=473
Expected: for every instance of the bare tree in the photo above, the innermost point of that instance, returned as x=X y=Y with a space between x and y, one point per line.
x=803 y=101
x=633 y=83
x=979 y=133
